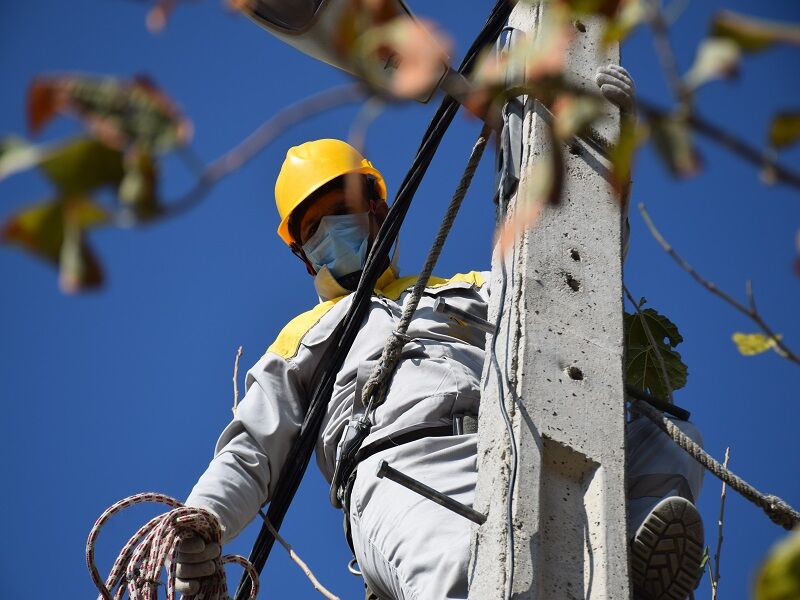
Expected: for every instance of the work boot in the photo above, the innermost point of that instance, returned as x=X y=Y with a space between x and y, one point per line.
x=667 y=550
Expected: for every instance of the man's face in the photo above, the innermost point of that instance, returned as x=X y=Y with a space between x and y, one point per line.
x=338 y=202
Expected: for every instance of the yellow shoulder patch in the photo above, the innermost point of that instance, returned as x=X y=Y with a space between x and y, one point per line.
x=288 y=340
x=394 y=290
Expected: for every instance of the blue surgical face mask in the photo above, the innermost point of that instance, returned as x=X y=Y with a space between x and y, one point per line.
x=339 y=243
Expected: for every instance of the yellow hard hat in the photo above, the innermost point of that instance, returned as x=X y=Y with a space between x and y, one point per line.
x=311 y=165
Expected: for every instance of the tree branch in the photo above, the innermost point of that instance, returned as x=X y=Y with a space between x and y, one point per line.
x=666 y=54
x=749 y=310
x=730 y=142
x=243 y=152
x=720 y=521
x=298 y=561
x=235 y=380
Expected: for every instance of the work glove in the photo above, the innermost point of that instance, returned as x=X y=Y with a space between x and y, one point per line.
x=193 y=561
x=616 y=85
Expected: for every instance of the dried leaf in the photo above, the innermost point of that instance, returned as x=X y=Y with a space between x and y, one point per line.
x=79 y=268
x=83 y=165
x=783 y=131
x=750 y=344
x=574 y=114
x=779 y=576
x=751 y=34
x=406 y=56
x=717 y=58
x=673 y=141
x=117 y=112
x=642 y=367
x=632 y=13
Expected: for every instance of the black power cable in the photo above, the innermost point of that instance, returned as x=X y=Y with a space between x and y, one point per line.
x=300 y=453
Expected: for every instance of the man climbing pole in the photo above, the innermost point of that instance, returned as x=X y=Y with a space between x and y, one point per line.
x=331 y=203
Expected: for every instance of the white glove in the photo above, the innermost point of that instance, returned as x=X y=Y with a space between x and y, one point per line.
x=617 y=87
x=193 y=561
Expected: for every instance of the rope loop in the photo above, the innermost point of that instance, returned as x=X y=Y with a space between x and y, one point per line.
x=401 y=337
x=153 y=547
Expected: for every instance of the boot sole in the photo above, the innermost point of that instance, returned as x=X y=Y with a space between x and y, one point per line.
x=667 y=550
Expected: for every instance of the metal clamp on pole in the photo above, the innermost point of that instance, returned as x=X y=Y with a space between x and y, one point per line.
x=384 y=470
x=443 y=307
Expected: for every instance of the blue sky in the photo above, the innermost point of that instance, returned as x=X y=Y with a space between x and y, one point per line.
x=125 y=390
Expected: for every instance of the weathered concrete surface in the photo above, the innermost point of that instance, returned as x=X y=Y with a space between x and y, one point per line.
x=560 y=351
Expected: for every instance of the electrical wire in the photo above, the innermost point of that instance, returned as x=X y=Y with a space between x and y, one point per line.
x=342 y=338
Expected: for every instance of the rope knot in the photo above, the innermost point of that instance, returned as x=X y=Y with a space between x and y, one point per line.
x=780 y=512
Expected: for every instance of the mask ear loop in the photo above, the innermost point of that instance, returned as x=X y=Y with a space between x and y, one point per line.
x=297 y=250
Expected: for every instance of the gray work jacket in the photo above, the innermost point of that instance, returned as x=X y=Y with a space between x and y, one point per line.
x=438 y=375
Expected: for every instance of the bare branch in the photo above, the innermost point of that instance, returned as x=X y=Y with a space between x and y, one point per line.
x=236 y=380
x=243 y=152
x=720 y=521
x=666 y=53
x=748 y=311
x=298 y=561
x=661 y=364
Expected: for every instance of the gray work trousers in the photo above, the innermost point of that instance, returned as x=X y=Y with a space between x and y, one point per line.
x=410 y=548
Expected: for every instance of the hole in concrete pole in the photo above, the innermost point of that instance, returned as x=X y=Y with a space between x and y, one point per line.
x=573 y=283
x=579 y=26
x=575 y=373
x=574 y=254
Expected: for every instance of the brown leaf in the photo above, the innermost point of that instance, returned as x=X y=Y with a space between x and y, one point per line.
x=622 y=155
x=82 y=165
x=751 y=34
x=574 y=114
x=605 y=8
x=631 y=14
x=120 y=113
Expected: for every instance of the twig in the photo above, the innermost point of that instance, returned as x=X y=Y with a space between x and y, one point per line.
x=718 y=551
x=243 y=152
x=652 y=342
x=728 y=141
x=311 y=577
x=749 y=310
x=235 y=380
x=666 y=53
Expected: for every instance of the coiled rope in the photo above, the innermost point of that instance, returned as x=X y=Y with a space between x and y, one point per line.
x=152 y=548
x=777 y=509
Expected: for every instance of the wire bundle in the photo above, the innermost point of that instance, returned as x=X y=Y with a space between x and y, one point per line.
x=152 y=548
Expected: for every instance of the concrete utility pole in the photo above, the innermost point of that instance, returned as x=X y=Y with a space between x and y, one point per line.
x=560 y=352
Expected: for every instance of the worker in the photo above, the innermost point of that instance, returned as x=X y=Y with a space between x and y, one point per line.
x=331 y=203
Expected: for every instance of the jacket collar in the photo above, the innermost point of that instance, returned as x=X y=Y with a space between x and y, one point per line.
x=329 y=289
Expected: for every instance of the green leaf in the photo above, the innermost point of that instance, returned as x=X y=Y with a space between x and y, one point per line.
x=631 y=14
x=137 y=192
x=673 y=141
x=784 y=129
x=606 y=8
x=54 y=231
x=83 y=165
x=717 y=58
x=623 y=152
x=750 y=344
x=17 y=155
x=779 y=576
x=753 y=35
x=642 y=367
x=38 y=229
